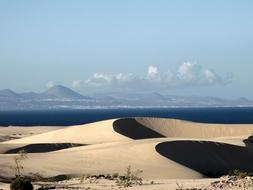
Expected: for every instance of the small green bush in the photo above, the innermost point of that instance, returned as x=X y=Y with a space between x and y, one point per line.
x=21 y=183
x=240 y=174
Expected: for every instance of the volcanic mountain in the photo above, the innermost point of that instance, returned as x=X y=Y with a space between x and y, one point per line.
x=61 y=92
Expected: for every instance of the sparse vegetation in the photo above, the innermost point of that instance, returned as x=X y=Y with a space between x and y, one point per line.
x=115 y=175
x=240 y=174
x=18 y=167
x=129 y=178
x=82 y=178
x=36 y=177
x=109 y=177
x=56 y=178
x=21 y=183
x=179 y=187
x=236 y=179
x=94 y=178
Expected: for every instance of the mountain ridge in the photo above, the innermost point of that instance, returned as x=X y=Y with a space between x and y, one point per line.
x=61 y=92
x=61 y=97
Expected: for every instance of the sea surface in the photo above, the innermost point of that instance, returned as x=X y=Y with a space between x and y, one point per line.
x=73 y=117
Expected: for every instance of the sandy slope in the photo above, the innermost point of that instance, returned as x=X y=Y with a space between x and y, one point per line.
x=20 y=132
x=162 y=148
x=186 y=129
x=116 y=130
x=94 y=133
x=106 y=158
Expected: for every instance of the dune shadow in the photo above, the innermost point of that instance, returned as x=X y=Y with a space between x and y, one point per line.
x=249 y=142
x=129 y=127
x=43 y=147
x=209 y=158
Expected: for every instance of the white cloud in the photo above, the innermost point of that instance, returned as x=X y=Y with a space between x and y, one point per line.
x=189 y=72
x=212 y=76
x=100 y=79
x=187 y=75
x=50 y=84
x=152 y=71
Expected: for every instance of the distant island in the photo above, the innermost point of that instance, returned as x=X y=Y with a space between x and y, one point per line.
x=61 y=97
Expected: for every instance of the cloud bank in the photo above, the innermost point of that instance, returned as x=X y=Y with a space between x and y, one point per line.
x=187 y=75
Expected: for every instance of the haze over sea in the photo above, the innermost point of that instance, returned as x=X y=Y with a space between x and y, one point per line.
x=228 y=115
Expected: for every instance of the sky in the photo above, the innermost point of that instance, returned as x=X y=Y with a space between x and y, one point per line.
x=191 y=47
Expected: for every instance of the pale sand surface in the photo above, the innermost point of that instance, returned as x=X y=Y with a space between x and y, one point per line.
x=180 y=128
x=11 y=132
x=94 y=133
x=102 y=184
x=165 y=149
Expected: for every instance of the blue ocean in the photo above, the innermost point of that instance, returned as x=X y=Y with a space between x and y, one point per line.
x=73 y=117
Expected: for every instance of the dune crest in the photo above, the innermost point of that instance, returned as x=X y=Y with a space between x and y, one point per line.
x=185 y=129
x=133 y=129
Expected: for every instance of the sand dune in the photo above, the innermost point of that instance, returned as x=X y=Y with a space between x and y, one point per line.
x=186 y=129
x=131 y=128
x=212 y=159
x=94 y=133
x=162 y=148
x=116 y=130
x=105 y=158
x=159 y=158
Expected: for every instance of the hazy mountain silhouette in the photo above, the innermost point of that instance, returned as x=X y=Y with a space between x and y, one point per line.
x=7 y=93
x=61 y=97
x=61 y=92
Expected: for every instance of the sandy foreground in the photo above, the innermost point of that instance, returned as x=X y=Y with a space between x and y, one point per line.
x=170 y=153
